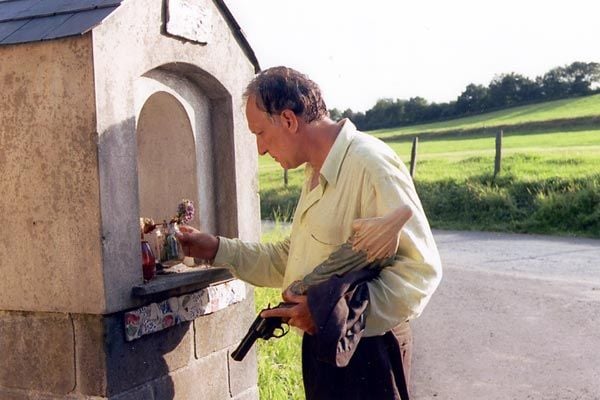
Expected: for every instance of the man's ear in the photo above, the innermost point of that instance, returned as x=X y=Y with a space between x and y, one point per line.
x=290 y=120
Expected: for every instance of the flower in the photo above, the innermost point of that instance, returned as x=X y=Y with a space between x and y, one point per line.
x=185 y=212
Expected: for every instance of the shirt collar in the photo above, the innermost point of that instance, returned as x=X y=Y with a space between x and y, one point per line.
x=333 y=162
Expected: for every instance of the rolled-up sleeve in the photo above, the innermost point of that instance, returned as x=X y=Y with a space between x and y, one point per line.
x=260 y=264
x=402 y=290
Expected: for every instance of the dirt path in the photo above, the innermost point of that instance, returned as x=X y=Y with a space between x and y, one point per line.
x=516 y=317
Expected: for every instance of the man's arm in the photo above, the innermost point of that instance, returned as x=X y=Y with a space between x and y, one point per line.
x=261 y=264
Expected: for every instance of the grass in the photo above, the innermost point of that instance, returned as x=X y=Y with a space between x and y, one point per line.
x=277 y=202
x=567 y=109
x=558 y=206
x=549 y=183
x=279 y=360
x=526 y=155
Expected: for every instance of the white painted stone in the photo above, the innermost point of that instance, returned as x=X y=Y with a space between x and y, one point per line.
x=189 y=20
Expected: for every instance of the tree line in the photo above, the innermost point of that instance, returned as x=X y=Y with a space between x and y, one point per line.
x=505 y=90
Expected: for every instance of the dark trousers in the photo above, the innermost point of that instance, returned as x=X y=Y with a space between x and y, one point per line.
x=378 y=370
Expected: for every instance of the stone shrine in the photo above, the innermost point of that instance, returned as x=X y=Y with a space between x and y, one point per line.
x=112 y=110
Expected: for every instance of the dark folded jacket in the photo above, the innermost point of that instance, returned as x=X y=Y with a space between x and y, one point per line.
x=338 y=309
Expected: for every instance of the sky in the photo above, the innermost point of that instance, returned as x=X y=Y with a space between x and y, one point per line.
x=361 y=51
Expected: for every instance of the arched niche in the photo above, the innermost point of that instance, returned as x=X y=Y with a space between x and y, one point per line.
x=166 y=162
x=192 y=107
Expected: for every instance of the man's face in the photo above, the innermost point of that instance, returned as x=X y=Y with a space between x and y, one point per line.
x=273 y=135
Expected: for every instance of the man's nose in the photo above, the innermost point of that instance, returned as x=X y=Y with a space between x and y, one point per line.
x=262 y=149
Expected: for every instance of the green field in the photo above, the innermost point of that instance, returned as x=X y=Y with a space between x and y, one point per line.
x=567 y=109
x=568 y=155
x=549 y=181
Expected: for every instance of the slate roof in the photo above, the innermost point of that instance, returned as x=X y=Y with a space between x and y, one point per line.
x=24 y=21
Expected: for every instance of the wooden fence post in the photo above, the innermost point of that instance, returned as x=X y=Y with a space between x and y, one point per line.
x=413 y=156
x=498 y=160
x=285 y=177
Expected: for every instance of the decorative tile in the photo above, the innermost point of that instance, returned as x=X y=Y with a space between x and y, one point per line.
x=158 y=316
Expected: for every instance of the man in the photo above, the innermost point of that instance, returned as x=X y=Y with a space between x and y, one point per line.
x=349 y=175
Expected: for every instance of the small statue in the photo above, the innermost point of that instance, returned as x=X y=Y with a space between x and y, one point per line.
x=170 y=248
x=373 y=244
x=185 y=213
x=147 y=225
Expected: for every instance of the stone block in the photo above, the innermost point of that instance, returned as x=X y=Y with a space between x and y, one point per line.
x=250 y=394
x=145 y=392
x=48 y=160
x=6 y=394
x=90 y=359
x=37 y=352
x=130 y=364
x=9 y=394
x=204 y=379
x=224 y=328
x=242 y=375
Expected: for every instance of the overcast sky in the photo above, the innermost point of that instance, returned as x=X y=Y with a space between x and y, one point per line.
x=360 y=51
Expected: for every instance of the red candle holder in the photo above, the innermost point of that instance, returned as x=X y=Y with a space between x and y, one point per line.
x=148 y=262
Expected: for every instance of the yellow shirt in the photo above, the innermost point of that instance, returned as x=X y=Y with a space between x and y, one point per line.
x=361 y=177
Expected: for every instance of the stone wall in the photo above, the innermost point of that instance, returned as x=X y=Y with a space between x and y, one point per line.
x=50 y=248
x=75 y=356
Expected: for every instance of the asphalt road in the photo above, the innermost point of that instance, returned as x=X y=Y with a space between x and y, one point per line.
x=515 y=317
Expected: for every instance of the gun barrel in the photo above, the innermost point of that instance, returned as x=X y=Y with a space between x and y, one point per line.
x=248 y=341
x=240 y=352
x=244 y=347
x=261 y=328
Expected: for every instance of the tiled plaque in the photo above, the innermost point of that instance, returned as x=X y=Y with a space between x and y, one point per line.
x=158 y=316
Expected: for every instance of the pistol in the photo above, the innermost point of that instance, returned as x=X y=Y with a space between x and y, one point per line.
x=264 y=328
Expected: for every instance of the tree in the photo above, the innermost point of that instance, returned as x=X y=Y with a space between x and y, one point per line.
x=434 y=112
x=359 y=120
x=335 y=114
x=348 y=113
x=507 y=90
x=554 y=84
x=385 y=113
x=473 y=99
x=414 y=109
x=581 y=76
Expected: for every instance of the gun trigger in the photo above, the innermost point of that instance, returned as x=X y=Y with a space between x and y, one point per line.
x=281 y=331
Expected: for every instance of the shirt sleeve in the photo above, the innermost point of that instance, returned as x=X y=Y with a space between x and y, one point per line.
x=402 y=290
x=260 y=264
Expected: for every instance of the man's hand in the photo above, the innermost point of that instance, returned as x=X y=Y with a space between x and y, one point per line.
x=298 y=315
x=197 y=244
